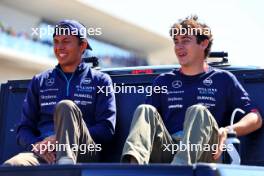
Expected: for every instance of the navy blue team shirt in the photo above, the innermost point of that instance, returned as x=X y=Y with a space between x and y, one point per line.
x=48 y=88
x=216 y=89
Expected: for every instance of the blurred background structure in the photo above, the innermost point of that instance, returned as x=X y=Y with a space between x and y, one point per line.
x=132 y=32
x=115 y=42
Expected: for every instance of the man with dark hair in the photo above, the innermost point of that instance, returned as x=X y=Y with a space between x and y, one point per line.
x=184 y=125
x=65 y=119
x=192 y=27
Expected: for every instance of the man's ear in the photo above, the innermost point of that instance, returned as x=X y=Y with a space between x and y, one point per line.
x=83 y=46
x=204 y=44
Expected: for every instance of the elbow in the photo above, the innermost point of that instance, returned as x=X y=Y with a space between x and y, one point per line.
x=259 y=121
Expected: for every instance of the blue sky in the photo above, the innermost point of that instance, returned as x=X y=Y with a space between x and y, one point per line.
x=237 y=25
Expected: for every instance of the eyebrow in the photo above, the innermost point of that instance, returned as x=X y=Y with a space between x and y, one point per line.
x=186 y=36
x=183 y=37
x=54 y=39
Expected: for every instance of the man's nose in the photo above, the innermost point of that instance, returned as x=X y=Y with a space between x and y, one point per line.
x=59 y=46
x=179 y=46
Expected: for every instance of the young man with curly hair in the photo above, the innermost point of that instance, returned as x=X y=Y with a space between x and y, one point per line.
x=189 y=123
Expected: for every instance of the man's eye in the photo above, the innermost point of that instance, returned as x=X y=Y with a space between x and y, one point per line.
x=176 y=42
x=185 y=41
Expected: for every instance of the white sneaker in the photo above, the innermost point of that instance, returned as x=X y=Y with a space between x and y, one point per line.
x=65 y=160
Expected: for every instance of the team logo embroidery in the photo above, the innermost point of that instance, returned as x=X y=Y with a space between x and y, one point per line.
x=208 y=82
x=176 y=84
x=86 y=81
x=49 y=82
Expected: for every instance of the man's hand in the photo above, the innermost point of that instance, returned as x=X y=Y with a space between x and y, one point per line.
x=222 y=135
x=50 y=157
x=41 y=149
x=51 y=139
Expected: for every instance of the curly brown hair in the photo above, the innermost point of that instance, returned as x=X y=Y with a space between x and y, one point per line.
x=191 y=25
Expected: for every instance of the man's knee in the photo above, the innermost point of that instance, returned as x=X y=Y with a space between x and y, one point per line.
x=65 y=105
x=199 y=112
x=196 y=107
x=146 y=107
x=146 y=112
x=63 y=109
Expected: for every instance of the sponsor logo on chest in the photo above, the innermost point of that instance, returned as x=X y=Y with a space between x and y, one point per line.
x=176 y=84
x=208 y=82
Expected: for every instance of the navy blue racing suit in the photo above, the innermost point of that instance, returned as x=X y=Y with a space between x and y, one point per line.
x=83 y=87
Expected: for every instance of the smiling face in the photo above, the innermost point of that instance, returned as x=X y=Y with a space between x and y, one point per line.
x=68 y=51
x=193 y=41
x=188 y=51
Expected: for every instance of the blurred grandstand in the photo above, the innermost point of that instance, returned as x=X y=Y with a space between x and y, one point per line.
x=110 y=55
x=22 y=54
